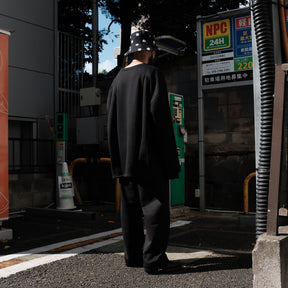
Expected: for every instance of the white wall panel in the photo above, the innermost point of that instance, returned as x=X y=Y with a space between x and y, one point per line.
x=30 y=47
x=31 y=56
x=37 y=12
x=30 y=93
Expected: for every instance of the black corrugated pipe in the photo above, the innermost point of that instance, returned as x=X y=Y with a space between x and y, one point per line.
x=262 y=17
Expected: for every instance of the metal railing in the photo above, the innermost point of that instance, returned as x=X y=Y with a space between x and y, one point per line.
x=71 y=65
x=101 y=160
x=31 y=155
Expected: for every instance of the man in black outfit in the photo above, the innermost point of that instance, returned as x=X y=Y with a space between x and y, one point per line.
x=143 y=155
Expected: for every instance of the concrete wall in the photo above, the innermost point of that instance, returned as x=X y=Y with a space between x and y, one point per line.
x=270 y=261
x=229 y=137
x=30 y=190
x=229 y=134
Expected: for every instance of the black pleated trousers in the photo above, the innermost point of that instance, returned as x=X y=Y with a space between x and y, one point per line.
x=148 y=199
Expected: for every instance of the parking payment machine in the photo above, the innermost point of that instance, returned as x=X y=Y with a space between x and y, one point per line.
x=177 y=186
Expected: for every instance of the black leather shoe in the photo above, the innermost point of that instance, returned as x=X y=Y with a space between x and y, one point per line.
x=137 y=264
x=168 y=268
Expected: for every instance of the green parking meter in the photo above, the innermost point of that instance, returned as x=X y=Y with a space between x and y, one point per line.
x=177 y=186
x=61 y=131
x=61 y=127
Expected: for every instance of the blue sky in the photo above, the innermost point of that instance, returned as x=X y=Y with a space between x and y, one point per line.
x=106 y=57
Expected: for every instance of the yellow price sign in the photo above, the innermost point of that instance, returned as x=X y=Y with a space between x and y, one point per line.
x=245 y=63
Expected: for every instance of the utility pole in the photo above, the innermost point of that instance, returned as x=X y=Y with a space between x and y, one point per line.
x=95 y=29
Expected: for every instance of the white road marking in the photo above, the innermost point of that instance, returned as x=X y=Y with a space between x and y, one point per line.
x=46 y=259
x=36 y=257
x=179 y=223
x=58 y=245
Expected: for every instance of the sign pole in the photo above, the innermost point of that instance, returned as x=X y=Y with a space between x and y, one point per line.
x=201 y=143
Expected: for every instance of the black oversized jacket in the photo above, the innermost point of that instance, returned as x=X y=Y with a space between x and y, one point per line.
x=140 y=132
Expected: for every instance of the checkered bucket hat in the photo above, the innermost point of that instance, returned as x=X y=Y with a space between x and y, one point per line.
x=141 y=40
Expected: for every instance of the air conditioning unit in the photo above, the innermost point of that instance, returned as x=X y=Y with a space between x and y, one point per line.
x=90 y=96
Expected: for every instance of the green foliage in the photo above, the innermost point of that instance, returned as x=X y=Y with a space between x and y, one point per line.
x=120 y=10
x=162 y=17
x=168 y=17
x=75 y=18
x=179 y=18
x=104 y=72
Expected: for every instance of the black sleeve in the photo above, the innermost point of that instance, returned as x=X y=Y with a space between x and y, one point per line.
x=163 y=127
x=112 y=132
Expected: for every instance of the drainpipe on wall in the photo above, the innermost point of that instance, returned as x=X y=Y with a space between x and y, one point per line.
x=262 y=18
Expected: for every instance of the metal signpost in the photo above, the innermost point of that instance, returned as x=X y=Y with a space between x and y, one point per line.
x=224 y=46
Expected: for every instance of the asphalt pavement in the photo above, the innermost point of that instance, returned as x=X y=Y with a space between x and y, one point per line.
x=214 y=248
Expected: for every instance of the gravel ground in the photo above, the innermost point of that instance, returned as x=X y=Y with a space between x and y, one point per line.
x=104 y=268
